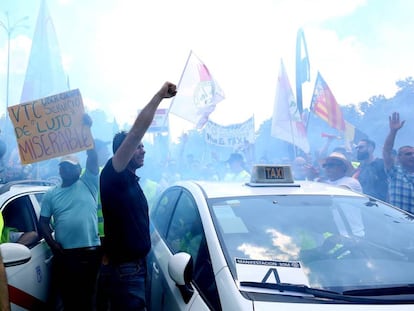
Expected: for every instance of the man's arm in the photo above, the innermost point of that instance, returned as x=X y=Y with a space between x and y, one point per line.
x=28 y=238
x=395 y=126
x=47 y=234
x=125 y=152
x=92 y=161
x=92 y=156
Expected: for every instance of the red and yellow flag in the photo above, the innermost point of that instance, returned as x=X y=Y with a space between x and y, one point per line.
x=325 y=105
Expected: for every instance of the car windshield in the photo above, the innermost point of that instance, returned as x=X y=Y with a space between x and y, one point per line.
x=330 y=242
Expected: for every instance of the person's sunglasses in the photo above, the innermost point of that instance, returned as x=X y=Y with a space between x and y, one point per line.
x=330 y=165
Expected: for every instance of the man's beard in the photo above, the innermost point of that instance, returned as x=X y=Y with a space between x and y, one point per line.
x=134 y=164
x=363 y=155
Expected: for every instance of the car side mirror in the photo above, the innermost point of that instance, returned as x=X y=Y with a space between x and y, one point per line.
x=180 y=269
x=14 y=254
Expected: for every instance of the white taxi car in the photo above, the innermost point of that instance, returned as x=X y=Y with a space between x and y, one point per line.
x=276 y=244
x=27 y=266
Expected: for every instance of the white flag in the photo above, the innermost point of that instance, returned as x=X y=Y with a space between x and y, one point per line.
x=287 y=123
x=44 y=74
x=198 y=93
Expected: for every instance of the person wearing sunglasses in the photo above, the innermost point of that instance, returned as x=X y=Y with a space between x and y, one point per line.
x=338 y=170
x=401 y=175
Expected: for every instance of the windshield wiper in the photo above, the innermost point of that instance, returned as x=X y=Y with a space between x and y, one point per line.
x=320 y=293
x=407 y=289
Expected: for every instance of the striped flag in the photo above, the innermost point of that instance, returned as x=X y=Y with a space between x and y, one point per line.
x=198 y=93
x=287 y=123
x=325 y=106
x=44 y=74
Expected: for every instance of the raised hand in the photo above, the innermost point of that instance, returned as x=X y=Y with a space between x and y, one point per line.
x=395 y=122
x=168 y=90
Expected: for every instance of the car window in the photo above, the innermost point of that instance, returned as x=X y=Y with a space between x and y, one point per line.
x=19 y=215
x=203 y=277
x=185 y=231
x=324 y=233
x=37 y=201
x=186 y=234
x=161 y=214
x=39 y=197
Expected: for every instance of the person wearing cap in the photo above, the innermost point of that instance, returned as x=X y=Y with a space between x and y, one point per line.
x=338 y=170
x=401 y=175
x=237 y=171
x=75 y=243
x=122 y=275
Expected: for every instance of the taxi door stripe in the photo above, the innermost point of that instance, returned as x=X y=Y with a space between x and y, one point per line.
x=23 y=299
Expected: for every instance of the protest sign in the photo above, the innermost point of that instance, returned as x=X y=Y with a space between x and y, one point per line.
x=233 y=135
x=50 y=127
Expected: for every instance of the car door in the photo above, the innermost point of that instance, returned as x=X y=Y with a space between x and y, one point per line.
x=184 y=233
x=160 y=219
x=28 y=281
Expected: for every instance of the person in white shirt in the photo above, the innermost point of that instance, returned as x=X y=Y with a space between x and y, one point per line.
x=338 y=170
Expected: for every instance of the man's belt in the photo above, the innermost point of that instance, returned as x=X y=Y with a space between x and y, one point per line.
x=81 y=250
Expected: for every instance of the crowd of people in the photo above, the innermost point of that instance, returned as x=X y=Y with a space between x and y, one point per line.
x=390 y=178
x=96 y=221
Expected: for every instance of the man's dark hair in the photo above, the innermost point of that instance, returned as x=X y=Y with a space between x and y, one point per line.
x=118 y=139
x=369 y=142
x=402 y=148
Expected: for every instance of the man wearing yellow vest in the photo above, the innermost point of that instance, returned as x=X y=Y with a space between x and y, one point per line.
x=9 y=234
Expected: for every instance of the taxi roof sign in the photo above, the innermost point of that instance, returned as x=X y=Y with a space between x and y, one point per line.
x=269 y=174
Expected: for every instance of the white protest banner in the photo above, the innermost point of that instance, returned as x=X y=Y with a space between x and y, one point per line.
x=230 y=135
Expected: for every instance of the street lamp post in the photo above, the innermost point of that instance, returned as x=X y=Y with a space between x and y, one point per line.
x=9 y=31
x=9 y=28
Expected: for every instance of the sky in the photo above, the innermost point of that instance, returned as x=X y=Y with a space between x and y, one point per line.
x=119 y=52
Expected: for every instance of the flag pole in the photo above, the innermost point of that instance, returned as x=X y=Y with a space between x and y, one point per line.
x=311 y=104
x=302 y=72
